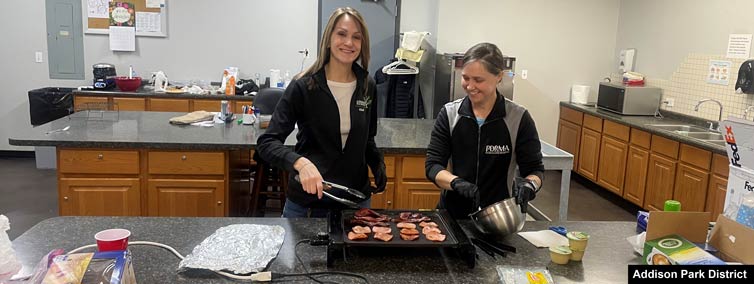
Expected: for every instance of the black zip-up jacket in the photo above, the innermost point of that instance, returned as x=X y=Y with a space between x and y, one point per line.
x=485 y=155
x=309 y=102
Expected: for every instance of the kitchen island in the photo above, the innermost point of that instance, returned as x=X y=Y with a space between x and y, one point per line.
x=137 y=164
x=605 y=260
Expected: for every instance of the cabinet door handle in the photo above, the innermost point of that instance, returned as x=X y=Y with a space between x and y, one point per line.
x=389 y=202
x=219 y=203
x=100 y=156
x=65 y=198
x=183 y=157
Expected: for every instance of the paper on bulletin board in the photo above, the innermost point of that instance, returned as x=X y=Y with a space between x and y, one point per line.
x=122 y=38
x=97 y=8
x=155 y=3
x=719 y=72
x=739 y=46
x=147 y=22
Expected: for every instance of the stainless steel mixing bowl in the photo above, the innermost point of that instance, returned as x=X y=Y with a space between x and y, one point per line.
x=500 y=219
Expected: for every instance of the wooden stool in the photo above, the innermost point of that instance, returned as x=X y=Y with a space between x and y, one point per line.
x=269 y=183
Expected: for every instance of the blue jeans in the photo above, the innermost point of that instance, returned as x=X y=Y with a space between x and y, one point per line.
x=293 y=210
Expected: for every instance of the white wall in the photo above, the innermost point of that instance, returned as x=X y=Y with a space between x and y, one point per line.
x=560 y=43
x=203 y=38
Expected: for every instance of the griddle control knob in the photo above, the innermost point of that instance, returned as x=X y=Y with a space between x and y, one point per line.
x=321 y=239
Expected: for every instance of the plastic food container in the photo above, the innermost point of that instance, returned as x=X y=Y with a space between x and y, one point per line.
x=560 y=254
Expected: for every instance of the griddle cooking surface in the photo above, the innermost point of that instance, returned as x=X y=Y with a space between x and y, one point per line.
x=422 y=241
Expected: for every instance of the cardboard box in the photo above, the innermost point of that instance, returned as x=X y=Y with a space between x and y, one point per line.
x=739 y=138
x=676 y=250
x=731 y=239
x=740 y=182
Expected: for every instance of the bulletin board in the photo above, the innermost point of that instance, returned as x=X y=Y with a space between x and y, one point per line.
x=95 y=25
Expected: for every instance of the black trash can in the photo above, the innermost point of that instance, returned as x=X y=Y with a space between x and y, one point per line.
x=48 y=104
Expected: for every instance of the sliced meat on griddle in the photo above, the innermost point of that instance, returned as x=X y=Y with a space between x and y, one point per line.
x=383 y=237
x=411 y=217
x=428 y=229
x=372 y=218
x=367 y=223
x=409 y=232
x=435 y=237
x=427 y=224
x=384 y=230
x=404 y=225
x=356 y=236
x=361 y=230
x=409 y=237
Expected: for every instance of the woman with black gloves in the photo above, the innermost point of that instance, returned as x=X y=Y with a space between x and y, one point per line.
x=485 y=137
x=334 y=105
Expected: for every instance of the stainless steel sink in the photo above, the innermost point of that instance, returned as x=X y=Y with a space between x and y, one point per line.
x=703 y=135
x=678 y=127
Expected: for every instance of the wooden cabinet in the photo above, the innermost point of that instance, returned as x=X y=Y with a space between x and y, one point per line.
x=186 y=183
x=176 y=105
x=131 y=104
x=186 y=198
x=612 y=168
x=85 y=161
x=80 y=102
x=636 y=175
x=589 y=153
x=691 y=187
x=99 y=196
x=569 y=138
x=413 y=190
x=692 y=178
x=207 y=105
x=660 y=182
x=384 y=200
x=718 y=186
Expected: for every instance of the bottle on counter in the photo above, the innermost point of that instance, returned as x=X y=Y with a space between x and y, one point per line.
x=672 y=205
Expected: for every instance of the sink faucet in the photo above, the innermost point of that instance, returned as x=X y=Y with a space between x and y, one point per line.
x=746 y=112
x=719 y=116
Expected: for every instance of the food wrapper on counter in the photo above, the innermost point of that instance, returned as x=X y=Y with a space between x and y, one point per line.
x=192 y=117
x=240 y=248
x=524 y=275
x=113 y=267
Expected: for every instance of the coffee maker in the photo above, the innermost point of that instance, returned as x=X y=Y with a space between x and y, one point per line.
x=104 y=76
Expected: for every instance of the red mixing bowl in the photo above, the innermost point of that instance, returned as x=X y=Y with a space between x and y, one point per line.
x=128 y=85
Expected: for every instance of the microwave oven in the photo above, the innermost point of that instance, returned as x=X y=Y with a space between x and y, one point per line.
x=629 y=100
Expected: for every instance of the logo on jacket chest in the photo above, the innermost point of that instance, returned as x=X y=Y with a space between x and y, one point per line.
x=497 y=149
x=363 y=103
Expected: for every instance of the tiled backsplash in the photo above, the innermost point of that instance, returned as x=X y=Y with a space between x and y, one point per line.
x=688 y=85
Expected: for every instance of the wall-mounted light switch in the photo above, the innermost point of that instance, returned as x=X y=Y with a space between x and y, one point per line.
x=38 y=57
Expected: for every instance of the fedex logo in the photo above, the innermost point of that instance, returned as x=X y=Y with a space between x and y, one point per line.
x=731 y=141
x=748 y=186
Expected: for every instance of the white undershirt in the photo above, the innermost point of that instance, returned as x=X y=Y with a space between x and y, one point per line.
x=343 y=93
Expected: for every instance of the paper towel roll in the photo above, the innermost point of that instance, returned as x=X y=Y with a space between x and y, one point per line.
x=580 y=94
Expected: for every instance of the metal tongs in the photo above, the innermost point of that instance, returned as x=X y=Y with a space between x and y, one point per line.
x=340 y=200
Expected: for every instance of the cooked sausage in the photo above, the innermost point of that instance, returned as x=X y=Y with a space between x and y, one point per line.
x=409 y=232
x=383 y=237
x=428 y=230
x=404 y=225
x=384 y=230
x=356 y=236
x=361 y=230
x=409 y=237
x=435 y=237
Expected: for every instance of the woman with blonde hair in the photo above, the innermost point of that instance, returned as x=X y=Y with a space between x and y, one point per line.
x=334 y=106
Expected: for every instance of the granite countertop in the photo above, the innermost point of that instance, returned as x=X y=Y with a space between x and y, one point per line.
x=148 y=92
x=138 y=129
x=605 y=260
x=642 y=123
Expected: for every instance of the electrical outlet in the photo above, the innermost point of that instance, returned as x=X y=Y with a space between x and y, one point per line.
x=38 y=57
x=670 y=102
x=524 y=74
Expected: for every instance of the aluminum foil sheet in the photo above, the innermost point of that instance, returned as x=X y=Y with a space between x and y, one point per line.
x=240 y=248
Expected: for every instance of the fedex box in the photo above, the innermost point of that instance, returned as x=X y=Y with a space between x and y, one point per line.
x=739 y=139
x=740 y=182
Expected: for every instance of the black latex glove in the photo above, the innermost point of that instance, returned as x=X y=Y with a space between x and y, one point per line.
x=524 y=191
x=380 y=178
x=466 y=189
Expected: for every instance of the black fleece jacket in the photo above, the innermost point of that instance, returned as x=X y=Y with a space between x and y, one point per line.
x=309 y=102
x=485 y=155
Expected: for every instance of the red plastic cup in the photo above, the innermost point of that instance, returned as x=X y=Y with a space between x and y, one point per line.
x=112 y=239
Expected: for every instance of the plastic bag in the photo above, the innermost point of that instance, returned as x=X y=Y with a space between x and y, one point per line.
x=9 y=265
